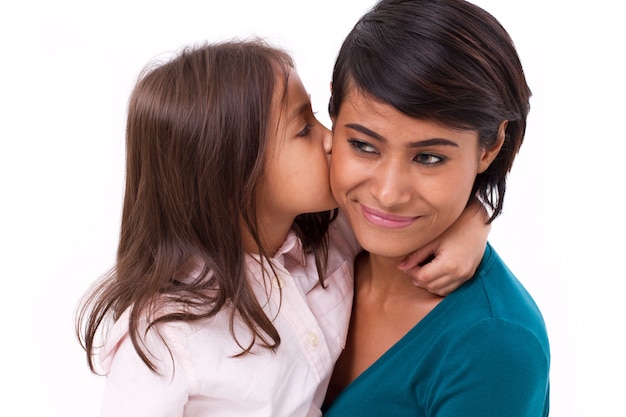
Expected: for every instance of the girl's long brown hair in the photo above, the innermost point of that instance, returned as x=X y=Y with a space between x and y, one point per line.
x=196 y=139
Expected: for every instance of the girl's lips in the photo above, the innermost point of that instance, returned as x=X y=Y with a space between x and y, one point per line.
x=386 y=220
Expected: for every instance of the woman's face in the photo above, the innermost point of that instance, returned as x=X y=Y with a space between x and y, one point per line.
x=296 y=171
x=400 y=181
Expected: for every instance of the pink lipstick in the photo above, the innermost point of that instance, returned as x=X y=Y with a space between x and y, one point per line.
x=386 y=220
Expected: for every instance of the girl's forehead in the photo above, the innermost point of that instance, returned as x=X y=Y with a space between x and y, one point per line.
x=290 y=94
x=290 y=100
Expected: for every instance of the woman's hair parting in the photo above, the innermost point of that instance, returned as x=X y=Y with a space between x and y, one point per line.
x=196 y=138
x=446 y=61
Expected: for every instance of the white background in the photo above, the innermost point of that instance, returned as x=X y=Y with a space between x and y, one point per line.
x=66 y=73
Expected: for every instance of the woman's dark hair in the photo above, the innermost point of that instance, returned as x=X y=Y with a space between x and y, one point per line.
x=196 y=138
x=446 y=61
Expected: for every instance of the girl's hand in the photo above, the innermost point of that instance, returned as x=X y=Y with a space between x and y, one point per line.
x=448 y=261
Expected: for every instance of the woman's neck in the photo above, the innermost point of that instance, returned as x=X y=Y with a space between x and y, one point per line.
x=386 y=307
x=380 y=277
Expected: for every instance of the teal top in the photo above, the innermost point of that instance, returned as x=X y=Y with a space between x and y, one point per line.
x=482 y=351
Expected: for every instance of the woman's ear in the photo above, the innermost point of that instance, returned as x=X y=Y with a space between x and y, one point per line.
x=489 y=154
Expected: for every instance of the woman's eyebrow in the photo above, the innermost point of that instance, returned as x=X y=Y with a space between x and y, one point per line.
x=366 y=131
x=433 y=142
x=416 y=144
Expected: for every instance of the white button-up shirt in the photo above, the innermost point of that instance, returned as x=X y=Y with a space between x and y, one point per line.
x=200 y=374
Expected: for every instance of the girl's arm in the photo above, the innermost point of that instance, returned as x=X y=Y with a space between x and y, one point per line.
x=132 y=389
x=451 y=259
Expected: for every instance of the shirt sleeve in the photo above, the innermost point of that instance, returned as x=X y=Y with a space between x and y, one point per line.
x=132 y=389
x=496 y=368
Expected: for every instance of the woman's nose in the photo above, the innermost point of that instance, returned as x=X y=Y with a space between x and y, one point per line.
x=391 y=184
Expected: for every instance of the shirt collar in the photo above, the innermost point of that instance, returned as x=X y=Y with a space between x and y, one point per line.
x=292 y=247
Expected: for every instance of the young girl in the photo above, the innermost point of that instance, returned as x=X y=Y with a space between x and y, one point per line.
x=229 y=296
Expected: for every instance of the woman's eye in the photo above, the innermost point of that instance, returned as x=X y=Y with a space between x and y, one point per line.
x=428 y=159
x=361 y=146
x=305 y=132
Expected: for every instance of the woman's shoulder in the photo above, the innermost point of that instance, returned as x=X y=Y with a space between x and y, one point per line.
x=494 y=309
x=494 y=348
x=505 y=295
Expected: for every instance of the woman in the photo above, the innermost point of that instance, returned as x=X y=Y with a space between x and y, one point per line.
x=429 y=108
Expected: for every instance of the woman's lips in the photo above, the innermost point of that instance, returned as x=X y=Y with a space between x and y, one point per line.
x=386 y=220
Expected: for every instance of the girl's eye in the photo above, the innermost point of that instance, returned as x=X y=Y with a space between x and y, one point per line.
x=428 y=159
x=362 y=147
x=305 y=132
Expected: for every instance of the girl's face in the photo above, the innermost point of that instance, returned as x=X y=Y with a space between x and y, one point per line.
x=296 y=172
x=400 y=181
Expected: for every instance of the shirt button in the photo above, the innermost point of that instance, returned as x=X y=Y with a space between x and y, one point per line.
x=278 y=283
x=313 y=338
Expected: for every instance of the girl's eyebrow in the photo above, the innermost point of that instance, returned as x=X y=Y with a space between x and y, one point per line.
x=303 y=107
x=420 y=143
